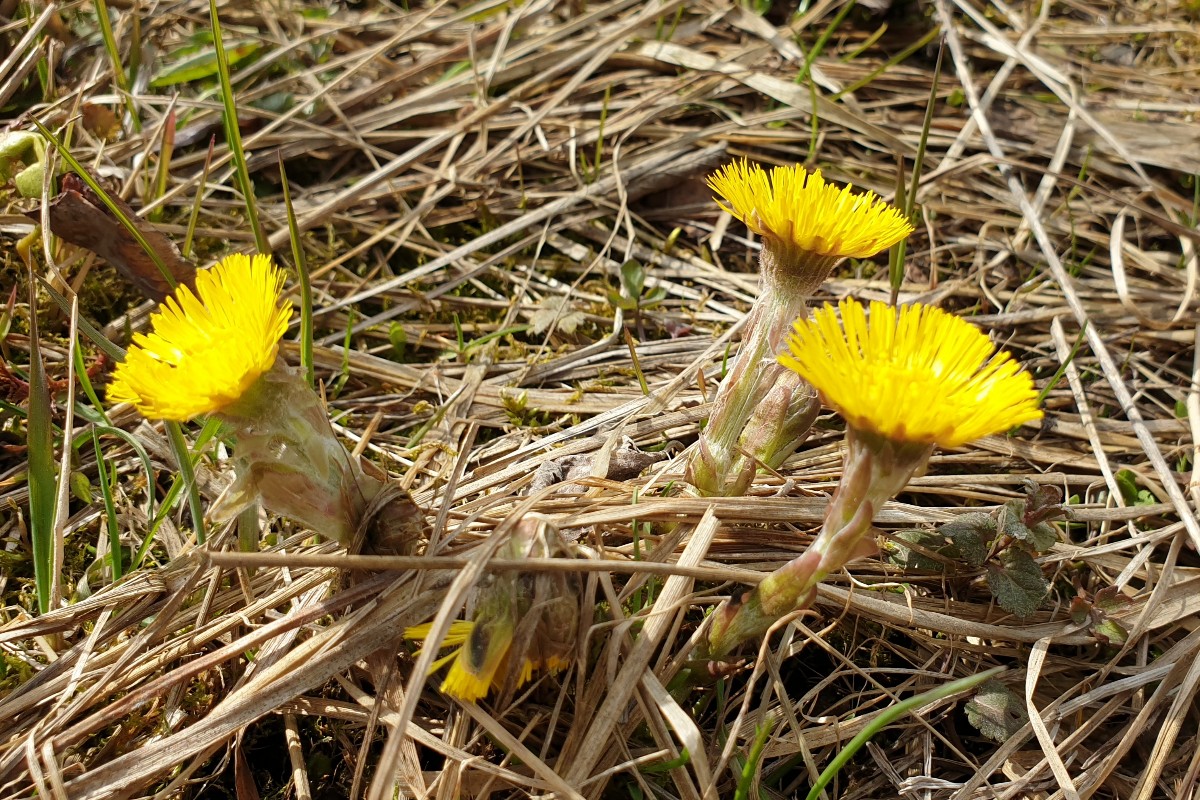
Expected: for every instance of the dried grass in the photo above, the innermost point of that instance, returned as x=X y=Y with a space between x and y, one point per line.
x=442 y=163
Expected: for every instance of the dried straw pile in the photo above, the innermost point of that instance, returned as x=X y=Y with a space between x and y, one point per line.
x=469 y=180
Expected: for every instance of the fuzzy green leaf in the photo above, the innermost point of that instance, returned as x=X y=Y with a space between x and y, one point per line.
x=971 y=535
x=1013 y=522
x=898 y=553
x=996 y=712
x=1017 y=582
x=1110 y=631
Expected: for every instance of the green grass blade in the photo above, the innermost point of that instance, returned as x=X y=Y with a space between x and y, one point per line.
x=890 y=715
x=114 y=58
x=908 y=201
x=761 y=734
x=183 y=457
x=110 y=508
x=43 y=485
x=194 y=217
x=233 y=135
x=306 y=316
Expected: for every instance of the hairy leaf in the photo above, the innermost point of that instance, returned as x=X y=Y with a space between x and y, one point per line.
x=996 y=711
x=971 y=535
x=1017 y=582
x=899 y=553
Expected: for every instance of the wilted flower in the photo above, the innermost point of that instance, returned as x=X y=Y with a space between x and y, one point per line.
x=523 y=622
x=905 y=380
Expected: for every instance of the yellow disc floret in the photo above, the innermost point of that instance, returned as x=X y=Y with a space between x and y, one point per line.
x=206 y=348
x=801 y=211
x=917 y=374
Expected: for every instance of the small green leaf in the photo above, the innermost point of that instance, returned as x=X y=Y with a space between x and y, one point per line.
x=1128 y=486
x=971 y=535
x=1111 y=599
x=203 y=65
x=398 y=339
x=996 y=712
x=1017 y=582
x=622 y=302
x=1045 y=536
x=1109 y=631
x=81 y=487
x=633 y=278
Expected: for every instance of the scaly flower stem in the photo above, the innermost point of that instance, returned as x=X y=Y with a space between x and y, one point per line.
x=876 y=469
x=762 y=410
x=288 y=455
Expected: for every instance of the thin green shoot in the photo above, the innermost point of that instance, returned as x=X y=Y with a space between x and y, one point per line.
x=1062 y=368
x=114 y=58
x=665 y=36
x=908 y=201
x=110 y=508
x=85 y=383
x=890 y=715
x=819 y=44
x=143 y=456
x=682 y=760
x=183 y=457
x=306 y=315
x=233 y=134
x=156 y=521
x=762 y=734
x=344 y=368
x=637 y=366
x=43 y=486
x=162 y=174
x=891 y=62
x=866 y=44
x=805 y=75
x=600 y=133
x=194 y=217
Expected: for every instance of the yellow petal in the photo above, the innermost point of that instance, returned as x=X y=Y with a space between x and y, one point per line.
x=206 y=348
x=917 y=374
x=801 y=211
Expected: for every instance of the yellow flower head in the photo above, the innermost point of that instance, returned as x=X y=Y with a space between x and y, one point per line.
x=524 y=621
x=482 y=659
x=799 y=211
x=206 y=348
x=914 y=375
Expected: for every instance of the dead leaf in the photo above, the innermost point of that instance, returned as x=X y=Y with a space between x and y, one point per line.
x=80 y=217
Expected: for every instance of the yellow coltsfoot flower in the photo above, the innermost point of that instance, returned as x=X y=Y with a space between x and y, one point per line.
x=807 y=224
x=917 y=374
x=214 y=351
x=206 y=348
x=906 y=381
